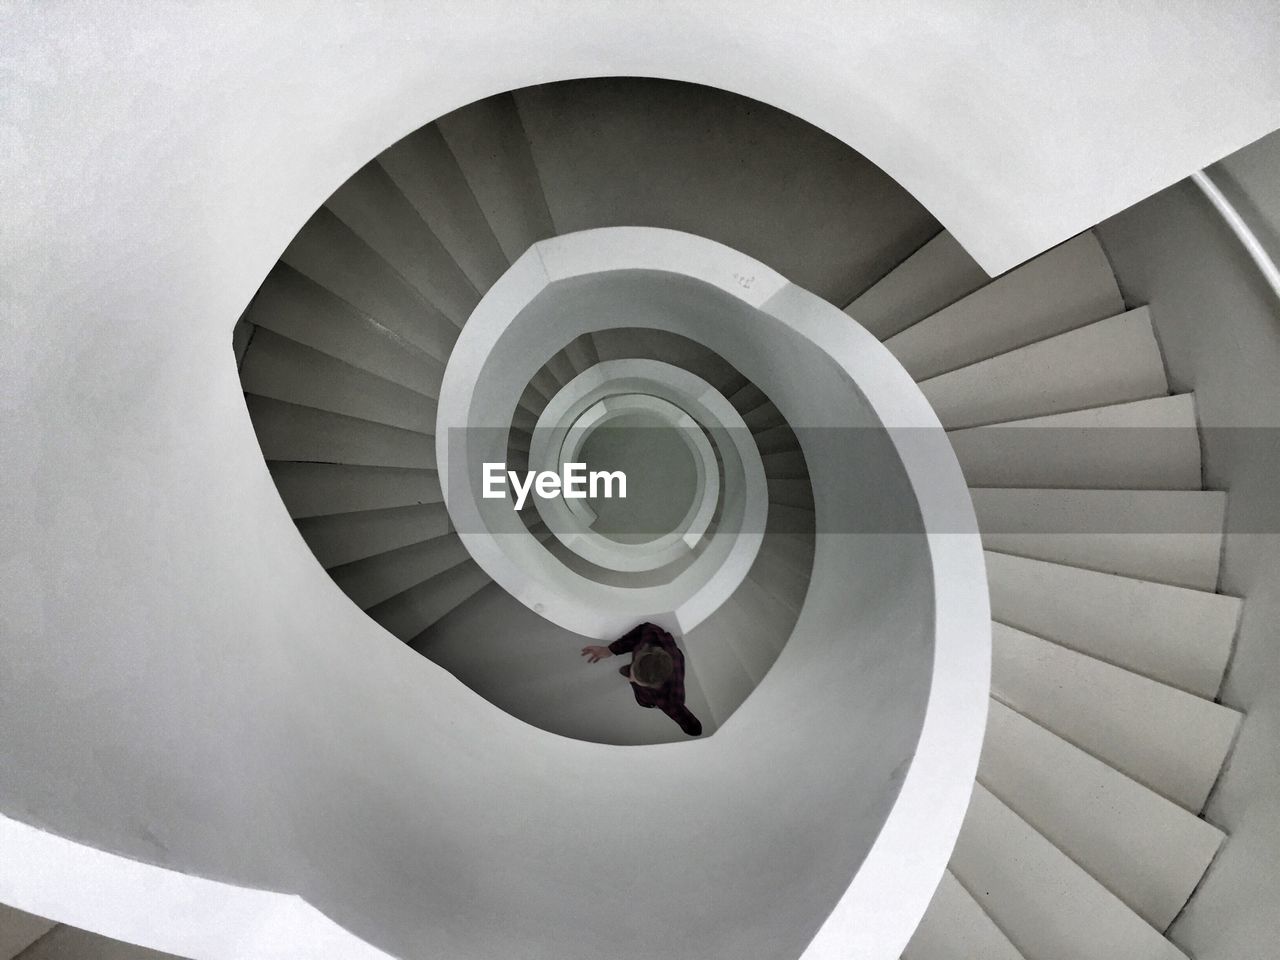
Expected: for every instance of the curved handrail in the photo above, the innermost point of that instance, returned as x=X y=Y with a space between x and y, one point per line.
x=1240 y=227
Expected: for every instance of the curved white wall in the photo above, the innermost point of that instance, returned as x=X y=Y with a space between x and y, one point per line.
x=223 y=711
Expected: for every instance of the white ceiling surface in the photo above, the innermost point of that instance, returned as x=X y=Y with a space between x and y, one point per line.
x=1017 y=125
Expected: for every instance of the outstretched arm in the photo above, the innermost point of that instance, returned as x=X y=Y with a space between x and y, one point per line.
x=594 y=652
x=628 y=641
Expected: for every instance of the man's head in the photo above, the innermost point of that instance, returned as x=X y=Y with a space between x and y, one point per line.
x=651 y=667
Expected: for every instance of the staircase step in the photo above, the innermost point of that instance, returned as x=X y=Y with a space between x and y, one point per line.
x=765 y=624
x=752 y=645
x=1112 y=361
x=297 y=307
x=330 y=253
x=581 y=352
x=345 y=537
x=1065 y=288
x=1178 y=636
x=624 y=151
x=747 y=397
x=1045 y=904
x=409 y=613
x=776 y=440
x=935 y=276
x=561 y=368
x=795 y=492
x=374 y=579
x=325 y=489
x=709 y=649
x=785 y=519
x=1170 y=536
x=787 y=464
x=377 y=211
x=524 y=419
x=489 y=142
x=425 y=170
x=763 y=417
x=71 y=943
x=241 y=334
x=544 y=384
x=533 y=401
x=1145 y=849
x=1145 y=445
x=282 y=369
x=955 y=927
x=783 y=568
x=19 y=930
x=1166 y=739
x=287 y=431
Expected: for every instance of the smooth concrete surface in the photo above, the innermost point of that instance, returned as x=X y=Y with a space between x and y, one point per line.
x=1219 y=328
x=642 y=277
x=503 y=343
x=631 y=152
x=264 y=757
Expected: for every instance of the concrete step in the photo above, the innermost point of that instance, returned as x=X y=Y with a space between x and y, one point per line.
x=325 y=489
x=763 y=417
x=955 y=927
x=581 y=352
x=374 y=579
x=1043 y=902
x=19 y=930
x=345 y=537
x=1144 y=445
x=241 y=334
x=534 y=670
x=776 y=440
x=425 y=170
x=283 y=369
x=935 y=276
x=71 y=943
x=1065 y=288
x=1169 y=536
x=330 y=253
x=1168 y=740
x=1145 y=849
x=488 y=140
x=786 y=464
x=794 y=492
x=785 y=519
x=623 y=151
x=376 y=210
x=297 y=307
x=561 y=368
x=1178 y=636
x=409 y=613
x=710 y=649
x=625 y=344
x=783 y=567
x=544 y=384
x=1112 y=361
x=747 y=398
x=524 y=419
x=750 y=633
x=287 y=431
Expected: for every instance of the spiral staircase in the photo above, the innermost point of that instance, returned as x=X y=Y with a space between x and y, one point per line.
x=1084 y=837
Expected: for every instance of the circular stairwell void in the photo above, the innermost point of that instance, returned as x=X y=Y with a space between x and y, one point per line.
x=665 y=280
x=650 y=547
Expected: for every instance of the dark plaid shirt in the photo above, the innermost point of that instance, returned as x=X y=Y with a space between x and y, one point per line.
x=669 y=698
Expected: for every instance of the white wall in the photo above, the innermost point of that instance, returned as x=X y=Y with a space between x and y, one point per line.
x=1219 y=328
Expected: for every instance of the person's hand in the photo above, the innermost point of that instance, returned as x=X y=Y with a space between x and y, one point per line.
x=594 y=652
